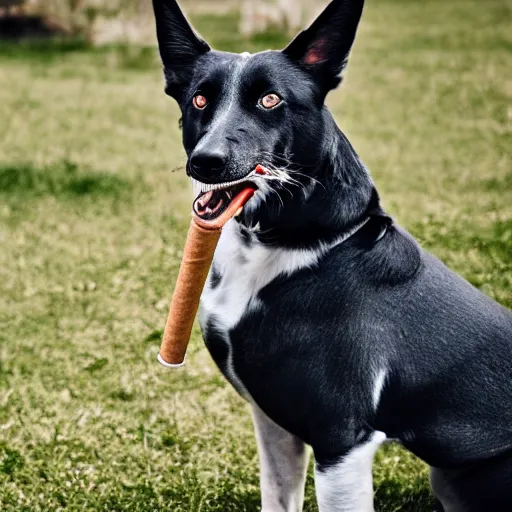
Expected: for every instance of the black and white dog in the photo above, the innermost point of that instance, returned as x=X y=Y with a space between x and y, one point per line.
x=321 y=311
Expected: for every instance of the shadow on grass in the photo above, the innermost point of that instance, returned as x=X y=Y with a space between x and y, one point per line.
x=498 y=185
x=44 y=52
x=41 y=50
x=63 y=180
x=191 y=494
x=10 y=460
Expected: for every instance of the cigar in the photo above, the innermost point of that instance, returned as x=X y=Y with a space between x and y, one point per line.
x=195 y=265
x=200 y=245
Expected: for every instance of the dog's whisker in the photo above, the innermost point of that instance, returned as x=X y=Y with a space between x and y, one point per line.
x=286 y=174
x=309 y=178
x=283 y=177
x=283 y=172
x=286 y=159
x=279 y=197
x=288 y=190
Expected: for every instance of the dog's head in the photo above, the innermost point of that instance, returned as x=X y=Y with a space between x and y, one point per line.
x=241 y=110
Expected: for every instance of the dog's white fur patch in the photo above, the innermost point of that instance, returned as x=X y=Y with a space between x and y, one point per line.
x=244 y=272
x=348 y=485
x=283 y=464
x=378 y=386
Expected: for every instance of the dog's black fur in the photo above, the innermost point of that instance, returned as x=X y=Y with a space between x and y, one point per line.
x=375 y=300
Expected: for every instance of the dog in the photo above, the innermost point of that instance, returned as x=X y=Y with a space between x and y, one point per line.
x=328 y=317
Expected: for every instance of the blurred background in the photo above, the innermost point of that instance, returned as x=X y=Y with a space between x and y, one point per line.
x=131 y=21
x=94 y=207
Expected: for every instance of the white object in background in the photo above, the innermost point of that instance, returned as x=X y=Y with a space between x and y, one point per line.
x=258 y=15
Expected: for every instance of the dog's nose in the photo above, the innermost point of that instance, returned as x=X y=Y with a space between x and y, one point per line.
x=206 y=165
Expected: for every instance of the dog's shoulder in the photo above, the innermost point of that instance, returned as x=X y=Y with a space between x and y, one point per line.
x=242 y=267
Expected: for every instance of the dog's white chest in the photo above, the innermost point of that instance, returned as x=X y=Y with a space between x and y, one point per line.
x=232 y=283
x=240 y=270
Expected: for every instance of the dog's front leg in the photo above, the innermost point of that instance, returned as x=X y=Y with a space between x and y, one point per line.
x=283 y=464
x=345 y=484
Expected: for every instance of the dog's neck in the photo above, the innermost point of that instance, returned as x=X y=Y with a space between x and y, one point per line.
x=339 y=197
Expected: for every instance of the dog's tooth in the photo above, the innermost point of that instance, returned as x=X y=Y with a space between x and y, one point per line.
x=207 y=187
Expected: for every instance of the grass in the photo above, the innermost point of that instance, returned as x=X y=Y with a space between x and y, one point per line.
x=93 y=213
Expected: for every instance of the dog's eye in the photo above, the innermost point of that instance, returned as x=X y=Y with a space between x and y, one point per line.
x=200 y=101
x=270 y=101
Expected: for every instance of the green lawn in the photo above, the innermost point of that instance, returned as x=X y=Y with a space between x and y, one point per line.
x=94 y=206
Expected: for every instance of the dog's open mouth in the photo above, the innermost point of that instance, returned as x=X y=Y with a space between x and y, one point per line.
x=212 y=204
x=224 y=200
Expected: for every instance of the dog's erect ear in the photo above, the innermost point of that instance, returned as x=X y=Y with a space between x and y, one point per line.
x=179 y=46
x=324 y=47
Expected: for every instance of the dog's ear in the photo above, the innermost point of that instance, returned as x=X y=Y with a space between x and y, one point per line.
x=323 y=48
x=179 y=46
